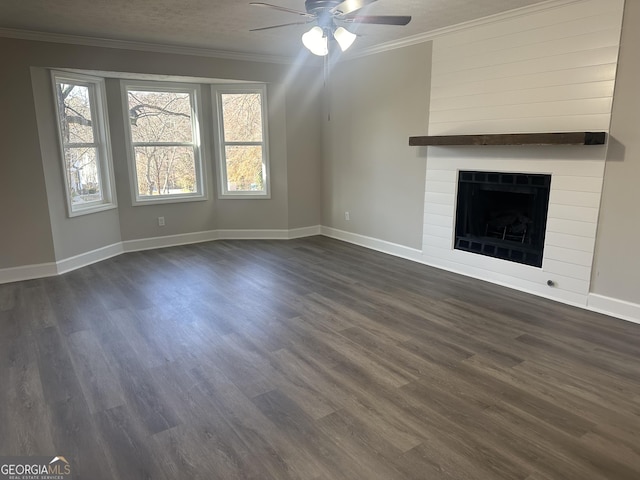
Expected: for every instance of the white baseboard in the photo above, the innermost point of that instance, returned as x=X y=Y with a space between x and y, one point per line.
x=305 y=232
x=383 y=246
x=87 y=258
x=253 y=234
x=616 y=308
x=269 y=234
x=169 y=241
x=29 y=272
x=598 y=303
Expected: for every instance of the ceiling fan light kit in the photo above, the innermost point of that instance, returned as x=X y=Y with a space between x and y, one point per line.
x=344 y=38
x=328 y=15
x=316 y=41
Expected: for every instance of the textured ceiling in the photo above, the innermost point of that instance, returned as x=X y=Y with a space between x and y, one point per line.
x=225 y=24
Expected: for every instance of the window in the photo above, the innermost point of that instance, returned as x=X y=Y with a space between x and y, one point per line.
x=243 y=161
x=84 y=142
x=165 y=153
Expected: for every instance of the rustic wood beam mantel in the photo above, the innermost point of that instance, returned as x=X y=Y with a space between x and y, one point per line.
x=565 y=138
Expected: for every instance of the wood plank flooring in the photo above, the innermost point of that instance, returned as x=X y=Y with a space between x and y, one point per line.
x=311 y=359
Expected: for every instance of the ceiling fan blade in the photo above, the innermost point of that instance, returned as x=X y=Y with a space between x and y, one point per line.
x=282 y=9
x=279 y=26
x=350 y=6
x=378 y=19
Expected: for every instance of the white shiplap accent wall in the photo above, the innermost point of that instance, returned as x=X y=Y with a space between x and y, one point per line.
x=549 y=71
x=576 y=177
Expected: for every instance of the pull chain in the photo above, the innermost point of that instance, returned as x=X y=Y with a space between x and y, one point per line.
x=327 y=90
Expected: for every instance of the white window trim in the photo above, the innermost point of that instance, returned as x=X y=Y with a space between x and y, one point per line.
x=221 y=165
x=199 y=151
x=103 y=141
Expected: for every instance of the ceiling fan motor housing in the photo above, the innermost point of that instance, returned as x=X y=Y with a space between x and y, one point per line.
x=320 y=6
x=329 y=17
x=322 y=10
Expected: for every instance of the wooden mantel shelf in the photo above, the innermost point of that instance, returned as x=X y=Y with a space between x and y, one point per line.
x=566 y=138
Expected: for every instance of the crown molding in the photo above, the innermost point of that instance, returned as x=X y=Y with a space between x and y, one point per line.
x=433 y=34
x=253 y=57
x=141 y=46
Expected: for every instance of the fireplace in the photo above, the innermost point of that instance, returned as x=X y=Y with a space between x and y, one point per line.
x=502 y=215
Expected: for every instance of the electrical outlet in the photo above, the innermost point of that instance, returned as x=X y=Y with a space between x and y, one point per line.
x=347 y=216
x=161 y=221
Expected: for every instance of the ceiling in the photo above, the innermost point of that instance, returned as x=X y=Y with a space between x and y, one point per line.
x=224 y=24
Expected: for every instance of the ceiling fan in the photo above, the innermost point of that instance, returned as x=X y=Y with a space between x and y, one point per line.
x=330 y=18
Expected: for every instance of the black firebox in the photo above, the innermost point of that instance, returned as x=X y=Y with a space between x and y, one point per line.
x=503 y=215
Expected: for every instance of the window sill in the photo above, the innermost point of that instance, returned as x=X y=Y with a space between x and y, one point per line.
x=139 y=202
x=86 y=211
x=244 y=196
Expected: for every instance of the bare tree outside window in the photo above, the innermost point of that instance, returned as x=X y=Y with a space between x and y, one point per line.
x=242 y=115
x=242 y=140
x=78 y=138
x=85 y=151
x=163 y=138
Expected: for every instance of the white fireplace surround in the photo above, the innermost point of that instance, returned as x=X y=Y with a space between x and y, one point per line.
x=576 y=183
x=549 y=71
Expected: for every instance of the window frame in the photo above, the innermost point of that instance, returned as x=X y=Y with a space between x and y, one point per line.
x=217 y=90
x=101 y=140
x=197 y=122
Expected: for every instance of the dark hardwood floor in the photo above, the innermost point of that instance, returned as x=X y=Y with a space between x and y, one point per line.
x=311 y=359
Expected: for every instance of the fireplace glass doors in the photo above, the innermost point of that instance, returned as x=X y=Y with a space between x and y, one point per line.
x=503 y=215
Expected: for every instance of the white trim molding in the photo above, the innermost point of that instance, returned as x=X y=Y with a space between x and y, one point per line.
x=253 y=234
x=433 y=34
x=100 y=141
x=218 y=91
x=376 y=244
x=84 y=259
x=305 y=232
x=269 y=234
x=140 y=244
x=249 y=57
x=597 y=303
x=196 y=145
x=141 y=46
x=30 y=272
x=614 y=307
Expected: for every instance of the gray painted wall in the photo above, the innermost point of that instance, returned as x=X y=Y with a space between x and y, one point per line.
x=71 y=236
x=304 y=142
x=376 y=103
x=25 y=231
x=617 y=259
x=38 y=231
x=367 y=167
